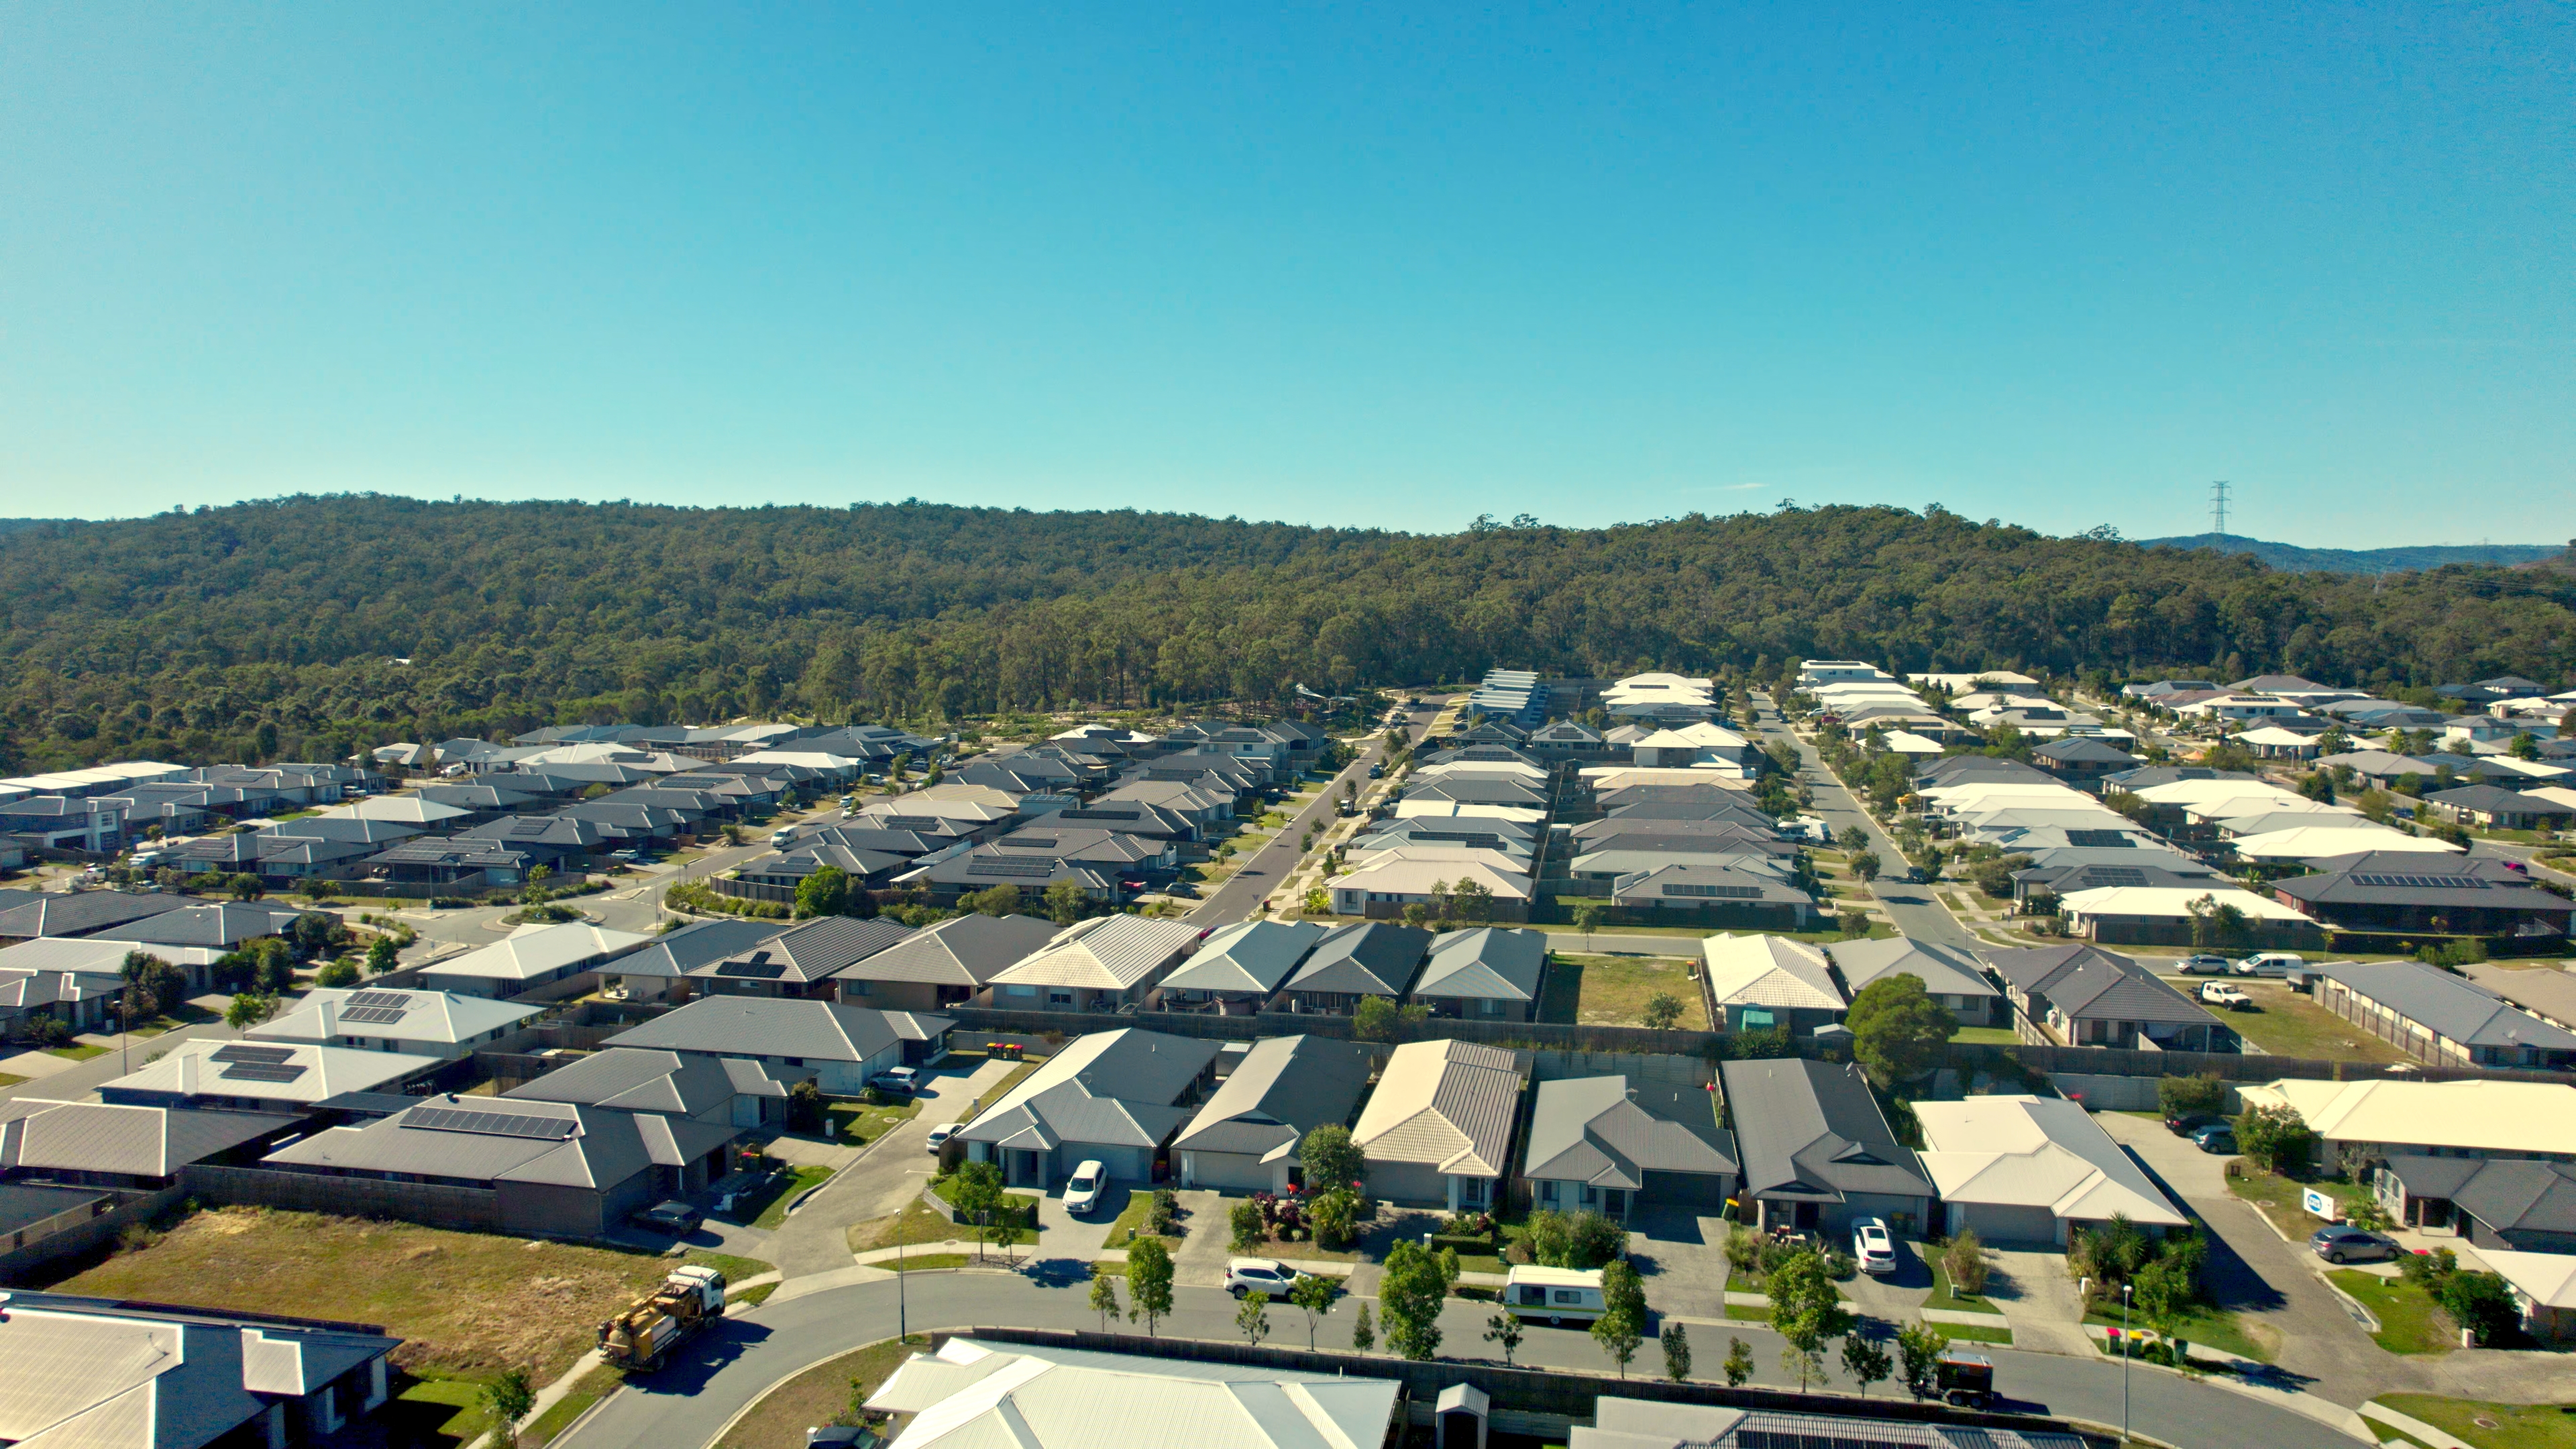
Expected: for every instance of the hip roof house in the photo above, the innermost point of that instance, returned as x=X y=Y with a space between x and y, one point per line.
x=1817 y=1152
x=1248 y=1135
x=1606 y=1143
x=1113 y=1097
x=2028 y=1169
x=1439 y=1127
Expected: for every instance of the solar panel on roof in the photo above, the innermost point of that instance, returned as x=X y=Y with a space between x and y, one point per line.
x=259 y=1072
x=1029 y=842
x=913 y=822
x=758 y=970
x=2098 y=839
x=489 y=1124
x=525 y=829
x=243 y=1052
x=379 y=998
x=2115 y=875
x=2421 y=882
x=994 y=865
x=375 y=1015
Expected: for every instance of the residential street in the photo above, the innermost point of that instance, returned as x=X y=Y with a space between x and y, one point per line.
x=889 y=1173
x=1241 y=894
x=690 y=1403
x=1916 y=912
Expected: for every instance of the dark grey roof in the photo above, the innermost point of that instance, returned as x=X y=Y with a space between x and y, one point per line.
x=1371 y=958
x=628 y=1079
x=1249 y=956
x=1114 y=1088
x=2088 y=982
x=23 y=1205
x=502 y=1139
x=2447 y=1005
x=1487 y=962
x=1285 y=1087
x=1943 y=970
x=694 y=945
x=2079 y=750
x=222 y=925
x=2494 y=799
x=1611 y=1131
x=82 y=913
x=2507 y=1194
x=1812 y=1130
x=345 y=828
x=963 y=951
x=526 y=830
x=810 y=952
x=756 y=1026
x=131 y=1140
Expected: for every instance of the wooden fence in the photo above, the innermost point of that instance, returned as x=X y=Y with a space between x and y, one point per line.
x=435 y=1205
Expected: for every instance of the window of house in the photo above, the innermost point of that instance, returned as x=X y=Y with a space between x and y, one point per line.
x=795 y=1061
x=1489 y=1007
x=858 y=988
x=1059 y=998
x=1547 y=1192
x=1019 y=991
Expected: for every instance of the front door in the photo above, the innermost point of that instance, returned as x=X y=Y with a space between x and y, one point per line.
x=1614 y=1203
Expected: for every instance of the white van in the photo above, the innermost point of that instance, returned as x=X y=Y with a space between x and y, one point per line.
x=1554 y=1295
x=778 y=839
x=2270 y=963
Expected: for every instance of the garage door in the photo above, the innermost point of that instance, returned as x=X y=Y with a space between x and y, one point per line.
x=2001 y=1224
x=1685 y=1189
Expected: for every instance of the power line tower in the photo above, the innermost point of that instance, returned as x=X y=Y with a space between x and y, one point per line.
x=2218 y=507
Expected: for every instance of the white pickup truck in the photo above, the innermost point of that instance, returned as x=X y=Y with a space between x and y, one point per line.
x=2219 y=993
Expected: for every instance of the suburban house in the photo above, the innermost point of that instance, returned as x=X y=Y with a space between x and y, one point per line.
x=1757 y=983
x=136 y=1148
x=723 y=1091
x=382 y=1019
x=247 y=1076
x=2491 y=807
x=1712 y=894
x=1102 y=964
x=556 y=1168
x=95 y=1371
x=2448 y=895
x=1438 y=1129
x=76 y=979
x=1382 y=889
x=2385 y=1119
x=1613 y=1145
x=802 y=961
x=653 y=973
x=2544 y=989
x=79 y=913
x=214 y=926
x=1371 y=958
x=2086 y=996
x=1487 y=974
x=1240 y=967
x=2163 y=915
x=2439 y=1018
x=530 y=958
x=1113 y=1097
x=1949 y=974
x=835 y=1046
x=2030 y=1169
x=2082 y=759
x=2516 y=1204
x=2544 y=1289
x=972 y=1393
x=1816 y=1151
x=1246 y=1137
x=942 y=965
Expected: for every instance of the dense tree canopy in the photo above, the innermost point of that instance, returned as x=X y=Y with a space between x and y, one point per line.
x=306 y=626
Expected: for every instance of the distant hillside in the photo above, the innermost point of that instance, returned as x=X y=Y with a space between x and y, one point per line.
x=2289 y=557
x=14 y=525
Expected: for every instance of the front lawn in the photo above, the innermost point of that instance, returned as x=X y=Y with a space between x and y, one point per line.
x=1942 y=1296
x=2492 y=1426
x=2213 y=1328
x=2409 y=1320
x=2278 y=1198
x=1613 y=990
x=2287 y=1024
x=1130 y=1223
x=823 y=1394
x=768 y=1207
x=467 y=1305
x=858 y=1122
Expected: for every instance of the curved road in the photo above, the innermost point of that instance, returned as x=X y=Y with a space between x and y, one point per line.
x=688 y=1404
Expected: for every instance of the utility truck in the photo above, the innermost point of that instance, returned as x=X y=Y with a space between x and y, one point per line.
x=640 y=1339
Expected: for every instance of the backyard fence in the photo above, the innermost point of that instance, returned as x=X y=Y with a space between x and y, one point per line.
x=472 y=1209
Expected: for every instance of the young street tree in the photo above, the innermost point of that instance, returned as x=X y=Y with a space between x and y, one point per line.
x=1315 y=1295
x=1865 y=1359
x=1677 y=1354
x=1149 y=1282
x=976 y=1191
x=1409 y=1296
x=1104 y=1297
x=1504 y=1329
x=1622 y=1325
x=1807 y=1310
x=1919 y=1346
x=248 y=1010
x=509 y=1398
x=1363 y=1331
x=1898 y=1031
x=1739 y=1363
x=1252 y=1315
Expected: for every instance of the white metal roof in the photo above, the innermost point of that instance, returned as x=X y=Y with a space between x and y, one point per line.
x=2036 y=1152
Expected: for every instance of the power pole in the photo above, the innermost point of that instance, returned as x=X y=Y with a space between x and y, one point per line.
x=2218 y=506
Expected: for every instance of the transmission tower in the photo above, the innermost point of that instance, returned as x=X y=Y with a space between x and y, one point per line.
x=2218 y=507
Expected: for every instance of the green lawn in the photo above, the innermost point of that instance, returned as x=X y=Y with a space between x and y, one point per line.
x=823 y=1394
x=2208 y=1327
x=858 y=1122
x=2278 y=1198
x=2492 y=1426
x=926 y=1262
x=76 y=1051
x=2287 y=1024
x=1974 y=1333
x=919 y=1222
x=1613 y=990
x=8 y=1079
x=1131 y=1220
x=2409 y=1322
x=1946 y=1300
x=769 y=1209
x=1992 y=1036
x=587 y=1390
x=442 y=1411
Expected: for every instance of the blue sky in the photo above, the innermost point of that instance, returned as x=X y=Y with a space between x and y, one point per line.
x=2061 y=265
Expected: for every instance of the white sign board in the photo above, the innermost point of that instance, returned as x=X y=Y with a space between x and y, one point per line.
x=2319 y=1204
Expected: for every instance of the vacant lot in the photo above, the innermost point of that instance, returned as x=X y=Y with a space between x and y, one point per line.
x=464 y=1303
x=1612 y=990
x=2287 y=1024
x=823 y=1394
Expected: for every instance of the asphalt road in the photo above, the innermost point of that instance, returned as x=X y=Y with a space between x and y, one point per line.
x=1242 y=892
x=691 y=1402
x=1915 y=911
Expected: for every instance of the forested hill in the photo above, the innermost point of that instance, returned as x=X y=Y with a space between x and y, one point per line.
x=2291 y=556
x=183 y=635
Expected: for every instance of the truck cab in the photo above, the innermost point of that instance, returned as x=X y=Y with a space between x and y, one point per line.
x=640 y=1339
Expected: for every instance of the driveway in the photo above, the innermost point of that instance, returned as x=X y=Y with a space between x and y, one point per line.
x=891 y=1172
x=1682 y=1257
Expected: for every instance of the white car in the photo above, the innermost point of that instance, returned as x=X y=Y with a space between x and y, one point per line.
x=940 y=1134
x=1082 y=1193
x=1258 y=1275
x=2219 y=993
x=1873 y=1245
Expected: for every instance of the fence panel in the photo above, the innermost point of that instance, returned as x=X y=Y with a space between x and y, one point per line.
x=471 y=1209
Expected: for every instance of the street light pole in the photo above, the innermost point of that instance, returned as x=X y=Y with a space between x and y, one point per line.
x=902 y=1323
x=2124 y=1362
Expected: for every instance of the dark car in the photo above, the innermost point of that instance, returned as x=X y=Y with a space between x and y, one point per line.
x=670 y=1217
x=2190 y=1123
x=2343 y=1243
x=2217 y=1138
x=1377 y=772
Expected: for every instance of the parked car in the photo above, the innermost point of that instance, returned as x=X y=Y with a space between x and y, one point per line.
x=669 y=1217
x=2204 y=964
x=2219 y=993
x=1258 y=1275
x=2190 y=1123
x=1082 y=1190
x=1377 y=772
x=2344 y=1243
x=839 y=1436
x=940 y=1134
x=897 y=1079
x=1873 y=1245
x=2217 y=1139
x=2270 y=963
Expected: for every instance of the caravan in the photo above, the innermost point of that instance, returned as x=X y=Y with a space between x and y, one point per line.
x=1555 y=1295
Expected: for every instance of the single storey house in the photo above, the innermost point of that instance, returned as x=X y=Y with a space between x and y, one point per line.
x=1487 y=974
x=1438 y=1129
x=1757 y=983
x=1246 y=1138
x=1113 y=1097
x=2032 y=1169
x=1817 y=1152
x=837 y=1047
x=1613 y=1144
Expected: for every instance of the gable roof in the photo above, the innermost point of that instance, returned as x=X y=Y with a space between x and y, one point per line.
x=1611 y=1132
x=770 y=1026
x=1489 y=963
x=1105 y=953
x=1249 y=956
x=410 y=1015
x=679 y=952
x=971 y=1396
x=532 y=952
x=1443 y=1104
x=506 y=1139
x=1111 y=1087
x=1284 y=1087
x=2447 y=1005
x=2036 y=1152
x=114 y=1138
x=810 y=952
x=2087 y=981
x=968 y=950
x=632 y=1079
x=1943 y=970
x=1770 y=971
x=80 y=913
x=2477 y=1115
x=1369 y=958
x=1811 y=1131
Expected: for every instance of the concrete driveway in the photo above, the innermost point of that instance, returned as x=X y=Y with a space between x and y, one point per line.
x=890 y=1173
x=1681 y=1255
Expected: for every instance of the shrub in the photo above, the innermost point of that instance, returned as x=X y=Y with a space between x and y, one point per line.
x=2188 y=1096
x=2480 y=1303
x=337 y=974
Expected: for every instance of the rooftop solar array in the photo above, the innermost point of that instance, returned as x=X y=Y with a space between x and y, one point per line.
x=2098 y=839
x=2421 y=882
x=1097 y=814
x=257 y=1072
x=379 y=998
x=2115 y=875
x=1722 y=892
x=489 y=1124
x=760 y=970
x=1028 y=842
x=994 y=865
x=259 y=1055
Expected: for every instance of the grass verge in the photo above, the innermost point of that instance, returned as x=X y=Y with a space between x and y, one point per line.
x=856 y=1122
x=929 y=1262
x=2409 y=1320
x=2214 y=1328
x=77 y=1051
x=823 y=1394
x=2278 y=1198
x=1974 y=1333
x=752 y=1297
x=919 y=1222
x=1131 y=1221
x=587 y=1390
x=2492 y=1426
x=792 y=1184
